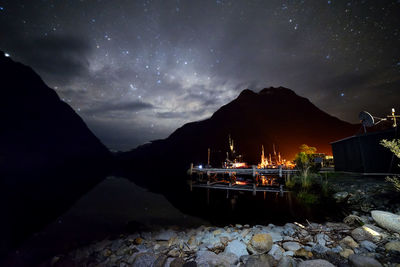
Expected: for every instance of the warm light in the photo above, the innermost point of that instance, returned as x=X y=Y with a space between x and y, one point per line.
x=241 y=183
x=239 y=165
x=371 y=231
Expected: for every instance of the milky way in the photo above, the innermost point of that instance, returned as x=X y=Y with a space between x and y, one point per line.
x=137 y=70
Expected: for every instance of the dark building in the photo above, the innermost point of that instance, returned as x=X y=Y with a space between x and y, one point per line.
x=363 y=153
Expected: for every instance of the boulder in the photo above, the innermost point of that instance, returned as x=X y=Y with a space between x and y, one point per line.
x=260 y=243
x=387 y=220
x=316 y=263
x=393 y=246
x=363 y=261
x=236 y=247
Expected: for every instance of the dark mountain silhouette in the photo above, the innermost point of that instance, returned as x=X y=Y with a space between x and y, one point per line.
x=48 y=156
x=273 y=116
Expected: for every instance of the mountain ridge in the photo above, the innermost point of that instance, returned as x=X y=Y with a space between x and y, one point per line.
x=272 y=117
x=48 y=156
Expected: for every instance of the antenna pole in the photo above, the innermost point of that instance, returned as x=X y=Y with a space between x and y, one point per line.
x=393 y=117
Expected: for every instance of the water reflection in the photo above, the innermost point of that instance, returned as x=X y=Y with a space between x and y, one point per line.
x=231 y=206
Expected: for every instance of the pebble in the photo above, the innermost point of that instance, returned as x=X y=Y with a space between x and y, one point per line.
x=368 y=245
x=276 y=252
x=393 y=246
x=177 y=262
x=348 y=241
x=321 y=239
x=208 y=258
x=144 y=259
x=315 y=263
x=287 y=262
x=292 y=246
x=283 y=246
x=261 y=260
x=346 y=253
x=319 y=249
x=303 y=253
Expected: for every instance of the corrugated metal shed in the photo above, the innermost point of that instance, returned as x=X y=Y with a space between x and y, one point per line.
x=363 y=153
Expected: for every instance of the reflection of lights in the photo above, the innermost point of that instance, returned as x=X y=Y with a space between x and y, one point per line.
x=370 y=231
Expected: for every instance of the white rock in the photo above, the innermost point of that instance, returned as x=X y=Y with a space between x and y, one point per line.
x=387 y=220
x=236 y=247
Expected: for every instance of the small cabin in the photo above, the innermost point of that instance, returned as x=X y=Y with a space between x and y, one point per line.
x=364 y=154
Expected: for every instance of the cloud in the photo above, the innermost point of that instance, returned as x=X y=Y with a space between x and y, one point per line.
x=107 y=109
x=60 y=58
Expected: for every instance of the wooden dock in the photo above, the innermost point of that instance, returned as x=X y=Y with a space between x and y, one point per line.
x=236 y=187
x=242 y=171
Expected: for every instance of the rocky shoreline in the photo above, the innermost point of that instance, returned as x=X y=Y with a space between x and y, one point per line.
x=368 y=240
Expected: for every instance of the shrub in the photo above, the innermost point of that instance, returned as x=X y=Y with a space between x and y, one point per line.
x=394 y=146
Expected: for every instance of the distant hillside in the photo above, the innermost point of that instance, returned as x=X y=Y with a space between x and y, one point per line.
x=45 y=147
x=273 y=116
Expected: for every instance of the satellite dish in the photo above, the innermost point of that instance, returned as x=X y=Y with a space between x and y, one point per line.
x=366 y=119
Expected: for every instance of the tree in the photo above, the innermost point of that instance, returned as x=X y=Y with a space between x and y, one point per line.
x=305 y=164
x=307 y=149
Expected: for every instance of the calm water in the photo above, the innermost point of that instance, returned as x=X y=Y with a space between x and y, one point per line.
x=224 y=207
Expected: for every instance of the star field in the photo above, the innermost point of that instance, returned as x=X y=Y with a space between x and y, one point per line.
x=137 y=70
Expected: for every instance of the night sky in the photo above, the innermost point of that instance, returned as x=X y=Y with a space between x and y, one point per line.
x=137 y=70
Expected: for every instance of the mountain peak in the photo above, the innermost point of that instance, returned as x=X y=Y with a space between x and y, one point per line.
x=246 y=92
x=276 y=91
